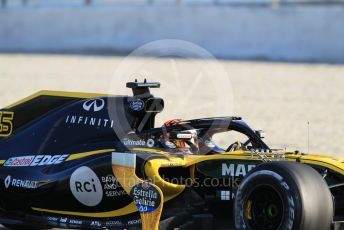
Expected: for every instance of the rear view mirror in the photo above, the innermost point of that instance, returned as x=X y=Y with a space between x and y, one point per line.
x=155 y=105
x=260 y=133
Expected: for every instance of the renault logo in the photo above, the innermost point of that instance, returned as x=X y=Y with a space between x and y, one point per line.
x=8 y=181
x=94 y=105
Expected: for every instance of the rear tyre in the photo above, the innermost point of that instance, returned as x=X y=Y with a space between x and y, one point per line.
x=283 y=195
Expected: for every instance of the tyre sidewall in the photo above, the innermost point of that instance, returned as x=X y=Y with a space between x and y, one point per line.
x=282 y=184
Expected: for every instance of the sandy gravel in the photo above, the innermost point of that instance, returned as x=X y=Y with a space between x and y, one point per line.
x=277 y=97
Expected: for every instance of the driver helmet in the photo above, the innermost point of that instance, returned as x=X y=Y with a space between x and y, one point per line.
x=180 y=145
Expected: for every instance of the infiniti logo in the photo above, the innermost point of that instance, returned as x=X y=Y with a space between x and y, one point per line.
x=94 y=105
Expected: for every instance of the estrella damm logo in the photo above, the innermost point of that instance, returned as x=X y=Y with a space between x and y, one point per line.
x=6 y=123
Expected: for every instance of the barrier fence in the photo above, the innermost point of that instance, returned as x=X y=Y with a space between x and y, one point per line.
x=297 y=33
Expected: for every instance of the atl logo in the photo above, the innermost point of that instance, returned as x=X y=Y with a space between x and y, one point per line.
x=86 y=187
x=94 y=105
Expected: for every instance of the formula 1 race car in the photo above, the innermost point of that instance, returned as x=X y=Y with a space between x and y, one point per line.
x=90 y=161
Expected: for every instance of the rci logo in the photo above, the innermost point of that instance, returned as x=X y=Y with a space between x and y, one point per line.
x=86 y=187
x=94 y=105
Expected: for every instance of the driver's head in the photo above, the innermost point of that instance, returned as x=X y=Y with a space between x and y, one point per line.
x=173 y=122
x=177 y=143
x=181 y=145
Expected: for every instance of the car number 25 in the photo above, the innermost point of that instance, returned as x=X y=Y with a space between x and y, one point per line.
x=6 y=123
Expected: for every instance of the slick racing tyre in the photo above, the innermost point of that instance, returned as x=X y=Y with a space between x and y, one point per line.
x=283 y=195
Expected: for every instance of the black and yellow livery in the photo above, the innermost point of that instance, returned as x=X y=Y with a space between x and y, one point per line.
x=56 y=151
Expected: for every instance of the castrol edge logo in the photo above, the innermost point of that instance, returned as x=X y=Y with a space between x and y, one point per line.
x=38 y=160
